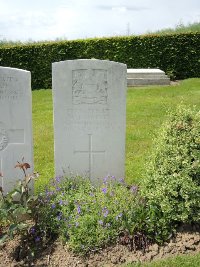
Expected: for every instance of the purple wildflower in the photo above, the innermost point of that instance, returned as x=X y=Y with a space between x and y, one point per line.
x=104 y=190
x=32 y=230
x=61 y=202
x=79 y=209
x=59 y=216
x=105 y=180
x=53 y=206
x=100 y=222
x=37 y=239
x=58 y=179
x=105 y=212
x=121 y=180
x=134 y=189
x=118 y=216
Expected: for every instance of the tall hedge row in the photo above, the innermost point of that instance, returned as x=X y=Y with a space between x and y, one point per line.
x=178 y=54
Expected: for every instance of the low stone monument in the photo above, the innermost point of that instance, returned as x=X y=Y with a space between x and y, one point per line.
x=15 y=124
x=143 y=77
x=89 y=98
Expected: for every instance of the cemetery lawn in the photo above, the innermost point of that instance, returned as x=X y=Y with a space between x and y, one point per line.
x=146 y=110
x=43 y=135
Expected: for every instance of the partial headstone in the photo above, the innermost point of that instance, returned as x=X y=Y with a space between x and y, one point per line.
x=89 y=118
x=143 y=77
x=15 y=124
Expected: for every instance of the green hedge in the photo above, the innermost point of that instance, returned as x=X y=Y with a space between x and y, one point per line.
x=178 y=54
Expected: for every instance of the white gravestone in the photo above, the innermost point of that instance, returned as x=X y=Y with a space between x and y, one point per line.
x=89 y=118
x=15 y=124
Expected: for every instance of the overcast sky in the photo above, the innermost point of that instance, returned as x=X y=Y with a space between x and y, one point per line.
x=74 y=19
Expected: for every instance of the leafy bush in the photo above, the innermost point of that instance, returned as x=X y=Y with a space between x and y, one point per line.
x=176 y=54
x=88 y=217
x=172 y=183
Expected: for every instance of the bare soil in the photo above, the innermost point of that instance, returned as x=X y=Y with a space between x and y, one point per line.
x=15 y=254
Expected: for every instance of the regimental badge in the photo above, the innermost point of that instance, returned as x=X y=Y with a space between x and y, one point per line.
x=89 y=86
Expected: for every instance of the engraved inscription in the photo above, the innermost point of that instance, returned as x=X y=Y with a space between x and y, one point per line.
x=3 y=139
x=12 y=136
x=91 y=118
x=8 y=85
x=89 y=86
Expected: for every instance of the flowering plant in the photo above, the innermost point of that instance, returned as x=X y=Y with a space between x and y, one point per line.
x=17 y=205
x=87 y=217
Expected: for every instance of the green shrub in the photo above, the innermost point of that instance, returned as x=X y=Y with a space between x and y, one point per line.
x=87 y=217
x=176 y=54
x=172 y=183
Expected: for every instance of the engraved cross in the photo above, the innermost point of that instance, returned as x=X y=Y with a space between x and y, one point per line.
x=90 y=151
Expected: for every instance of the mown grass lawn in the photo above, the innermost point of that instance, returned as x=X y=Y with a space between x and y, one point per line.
x=146 y=110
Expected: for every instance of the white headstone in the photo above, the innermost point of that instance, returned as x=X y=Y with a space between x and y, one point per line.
x=89 y=118
x=15 y=124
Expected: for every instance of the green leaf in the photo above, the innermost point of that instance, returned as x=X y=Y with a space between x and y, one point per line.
x=3 y=238
x=19 y=211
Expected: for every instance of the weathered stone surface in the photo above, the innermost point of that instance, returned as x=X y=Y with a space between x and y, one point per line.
x=89 y=118
x=15 y=124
